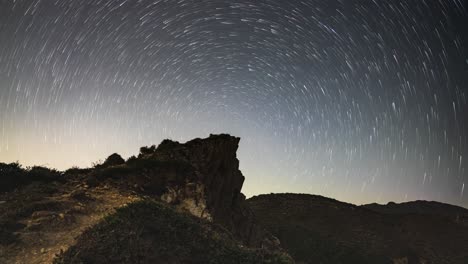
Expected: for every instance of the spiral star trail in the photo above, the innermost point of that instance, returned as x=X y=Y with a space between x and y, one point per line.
x=358 y=100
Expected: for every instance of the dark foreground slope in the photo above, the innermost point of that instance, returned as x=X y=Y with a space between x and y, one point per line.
x=314 y=229
x=44 y=212
x=182 y=203
x=151 y=232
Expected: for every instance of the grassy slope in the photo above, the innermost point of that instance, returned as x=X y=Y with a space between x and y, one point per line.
x=150 y=232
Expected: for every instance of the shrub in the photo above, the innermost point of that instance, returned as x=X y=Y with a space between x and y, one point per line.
x=43 y=174
x=167 y=144
x=13 y=176
x=113 y=160
x=147 y=150
x=76 y=170
x=131 y=159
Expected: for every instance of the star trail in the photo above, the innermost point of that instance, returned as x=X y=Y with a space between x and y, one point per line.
x=357 y=100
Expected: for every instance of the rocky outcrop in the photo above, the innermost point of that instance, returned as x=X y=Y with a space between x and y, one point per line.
x=215 y=167
x=200 y=176
x=190 y=197
x=215 y=192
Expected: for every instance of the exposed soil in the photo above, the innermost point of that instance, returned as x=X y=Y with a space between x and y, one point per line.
x=42 y=220
x=151 y=231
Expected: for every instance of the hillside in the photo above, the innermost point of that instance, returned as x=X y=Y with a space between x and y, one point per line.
x=315 y=229
x=182 y=203
x=152 y=232
x=75 y=214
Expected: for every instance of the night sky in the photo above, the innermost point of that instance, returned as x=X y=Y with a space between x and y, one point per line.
x=359 y=100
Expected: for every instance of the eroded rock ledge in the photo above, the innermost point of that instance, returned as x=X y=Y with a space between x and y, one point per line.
x=200 y=176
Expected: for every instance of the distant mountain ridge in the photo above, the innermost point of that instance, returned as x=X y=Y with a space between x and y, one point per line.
x=453 y=212
x=315 y=229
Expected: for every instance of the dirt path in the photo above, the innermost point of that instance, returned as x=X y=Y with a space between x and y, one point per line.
x=57 y=219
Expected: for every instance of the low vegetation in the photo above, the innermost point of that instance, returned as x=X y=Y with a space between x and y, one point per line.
x=150 y=232
x=13 y=176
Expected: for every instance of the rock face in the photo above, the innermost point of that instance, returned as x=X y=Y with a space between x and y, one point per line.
x=200 y=176
x=215 y=191
x=218 y=179
x=190 y=197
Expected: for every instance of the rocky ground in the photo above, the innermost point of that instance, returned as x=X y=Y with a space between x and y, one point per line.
x=46 y=219
x=182 y=203
x=46 y=213
x=152 y=232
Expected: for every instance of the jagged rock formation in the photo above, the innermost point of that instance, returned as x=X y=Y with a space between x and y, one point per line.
x=201 y=176
x=213 y=175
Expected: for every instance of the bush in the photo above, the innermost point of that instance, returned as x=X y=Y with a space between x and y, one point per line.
x=167 y=144
x=147 y=150
x=76 y=171
x=43 y=174
x=131 y=159
x=14 y=176
x=113 y=160
x=11 y=176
